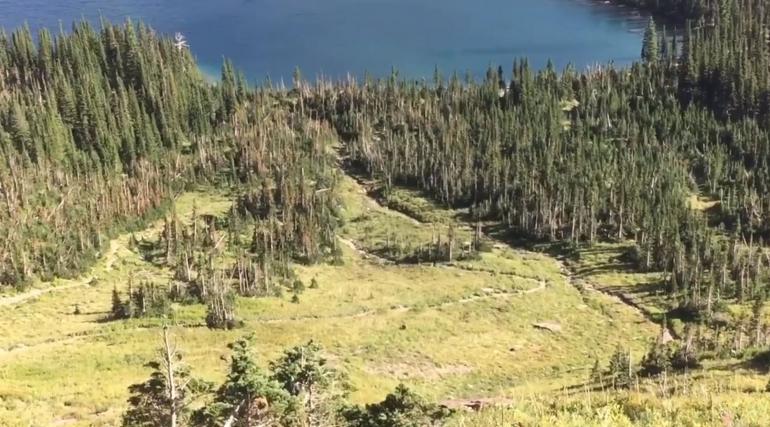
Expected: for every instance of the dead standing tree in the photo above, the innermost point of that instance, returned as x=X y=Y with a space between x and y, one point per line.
x=164 y=399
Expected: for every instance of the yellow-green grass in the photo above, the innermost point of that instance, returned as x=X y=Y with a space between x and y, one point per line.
x=414 y=204
x=701 y=203
x=479 y=348
x=699 y=398
x=602 y=265
x=699 y=407
x=51 y=315
x=507 y=261
x=376 y=228
x=448 y=332
x=419 y=220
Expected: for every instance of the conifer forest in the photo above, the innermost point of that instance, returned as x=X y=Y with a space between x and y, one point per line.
x=532 y=247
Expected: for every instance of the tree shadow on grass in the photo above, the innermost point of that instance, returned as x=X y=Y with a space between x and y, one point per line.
x=521 y=240
x=759 y=362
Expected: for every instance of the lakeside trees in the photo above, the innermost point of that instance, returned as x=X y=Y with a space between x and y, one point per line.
x=88 y=128
x=607 y=154
x=100 y=129
x=604 y=155
x=650 y=49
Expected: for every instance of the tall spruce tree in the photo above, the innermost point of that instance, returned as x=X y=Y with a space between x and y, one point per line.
x=650 y=47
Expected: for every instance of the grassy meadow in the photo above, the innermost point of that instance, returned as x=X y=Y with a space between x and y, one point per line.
x=451 y=331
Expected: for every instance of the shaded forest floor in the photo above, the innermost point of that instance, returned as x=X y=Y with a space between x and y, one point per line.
x=454 y=331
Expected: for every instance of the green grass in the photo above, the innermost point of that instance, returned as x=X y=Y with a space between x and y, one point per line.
x=603 y=266
x=414 y=204
x=463 y=330
x=699 y=407
x=390 y=233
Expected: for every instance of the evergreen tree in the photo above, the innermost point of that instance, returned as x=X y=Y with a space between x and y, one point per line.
x=650 y=48
x=248 y=396
x=656 y=361
x=119 y=309
x=401 y=408
x=305 y=374
x=620 y=368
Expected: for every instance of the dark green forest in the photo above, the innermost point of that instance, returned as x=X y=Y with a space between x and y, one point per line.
x=101 y=128
x=607 y=155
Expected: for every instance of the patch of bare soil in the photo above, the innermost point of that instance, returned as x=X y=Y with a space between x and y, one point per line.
x=476 y=404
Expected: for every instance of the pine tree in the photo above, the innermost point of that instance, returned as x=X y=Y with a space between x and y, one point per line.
x=401 y=408
x=305 y=374
x=650 y=48
x=220 y=306
x=119 y=309
x=656 y=361
x=620 y=368
x=248 y=396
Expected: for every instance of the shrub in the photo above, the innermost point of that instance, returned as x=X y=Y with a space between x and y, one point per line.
x=684 y=358
x=220 y=310
x=401 y=408
x=298 y=287
x=149 y=300
x=656 y=361
x=620 y=369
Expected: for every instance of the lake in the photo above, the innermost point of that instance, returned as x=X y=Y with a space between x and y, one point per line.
x=336 y=37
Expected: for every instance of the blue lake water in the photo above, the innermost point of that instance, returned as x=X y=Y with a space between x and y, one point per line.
x=336 y=37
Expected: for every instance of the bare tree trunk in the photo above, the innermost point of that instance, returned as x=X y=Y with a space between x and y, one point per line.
x=169 y=353
x=232 y=418
x=710 y=297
